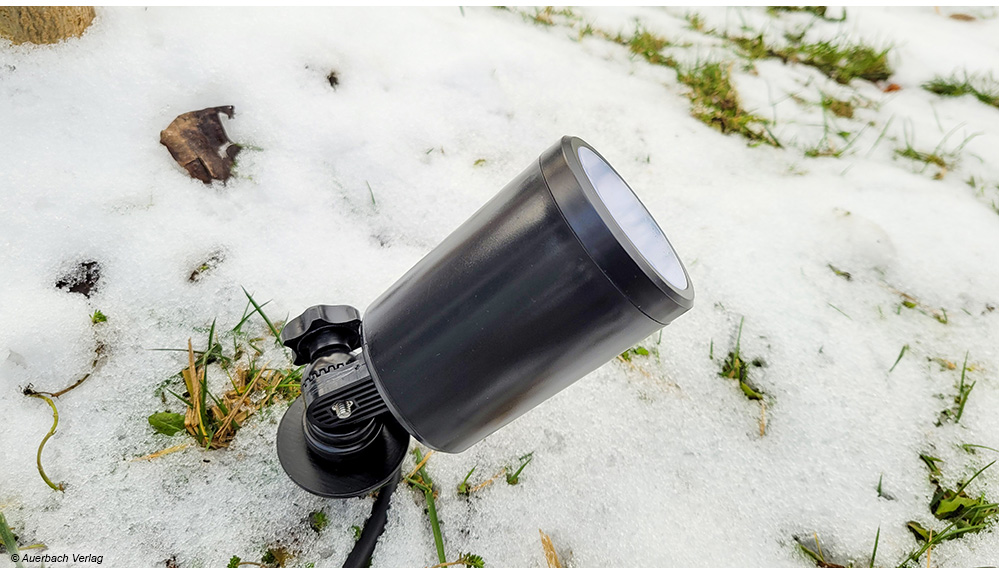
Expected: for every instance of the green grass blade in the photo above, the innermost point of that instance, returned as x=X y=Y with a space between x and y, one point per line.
x=966 y=446
x=7 y=537
x=428 y=492
x=875 y=553
x=260 y=311
x=182 y=399
x=244 y=319
x=900 y=355
x=974 y=476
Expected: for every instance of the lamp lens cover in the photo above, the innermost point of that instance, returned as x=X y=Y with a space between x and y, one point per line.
x=636 y=221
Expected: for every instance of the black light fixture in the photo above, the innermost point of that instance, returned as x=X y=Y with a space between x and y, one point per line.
x=560 y=272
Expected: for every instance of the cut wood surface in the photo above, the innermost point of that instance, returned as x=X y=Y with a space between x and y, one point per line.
x=44 y=24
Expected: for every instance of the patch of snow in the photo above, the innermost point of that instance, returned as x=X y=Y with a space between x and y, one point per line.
x=657 y=462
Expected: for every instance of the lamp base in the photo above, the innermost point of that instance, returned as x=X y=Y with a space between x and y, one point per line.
x=341 y=477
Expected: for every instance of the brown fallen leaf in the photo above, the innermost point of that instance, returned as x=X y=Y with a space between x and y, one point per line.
x=195 y=140
x=891 y=88
x=963 y=17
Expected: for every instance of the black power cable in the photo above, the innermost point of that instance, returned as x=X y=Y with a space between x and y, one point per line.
x=360 y=556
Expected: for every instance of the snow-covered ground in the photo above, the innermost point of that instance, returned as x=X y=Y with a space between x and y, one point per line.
x=656 y=462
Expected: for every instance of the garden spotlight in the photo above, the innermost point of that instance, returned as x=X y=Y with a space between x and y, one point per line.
x=560 y=272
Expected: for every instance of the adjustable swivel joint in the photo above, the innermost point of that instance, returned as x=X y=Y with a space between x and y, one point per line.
x=338 y=439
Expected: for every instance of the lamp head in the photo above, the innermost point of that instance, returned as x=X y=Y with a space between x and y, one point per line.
x=560 y=272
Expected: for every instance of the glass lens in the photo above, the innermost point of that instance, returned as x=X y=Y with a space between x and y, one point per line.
x=634 y=219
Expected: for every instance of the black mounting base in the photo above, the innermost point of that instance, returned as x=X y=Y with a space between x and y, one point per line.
x=349 y=476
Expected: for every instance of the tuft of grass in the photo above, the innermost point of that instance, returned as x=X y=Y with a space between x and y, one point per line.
x=716 y=102
x=816 y=555
x=98 y=317
x=838 y=108
x=817 y=11
x=422 y=482
x=735 y=367
x=965 y=514
x=318 y=520
x=827 y=148
x=910 y=302
x=586 y=30
x=463 y=488
x=649 y=46
x=696 y=22
x=356 y=532
x=984 y=88
x=639 y=350
x=843 y=62
x=753 y=47
x=471 y=560
x=213 y=421
x=931 y=464
x=714 y=99
x=928 y=158
x=546 y=16
x=234 y=562
x=960 y=399
x=514 y=478
x=944 y=160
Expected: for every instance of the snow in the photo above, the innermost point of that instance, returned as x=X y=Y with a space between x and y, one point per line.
x=657 y=462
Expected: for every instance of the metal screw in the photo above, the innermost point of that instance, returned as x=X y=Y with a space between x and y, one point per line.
x=342 y=408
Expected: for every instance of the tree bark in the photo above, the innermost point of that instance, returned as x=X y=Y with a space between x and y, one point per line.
x=44 y=24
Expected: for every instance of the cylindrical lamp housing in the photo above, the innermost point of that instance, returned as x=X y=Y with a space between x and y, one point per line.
x=563 y=270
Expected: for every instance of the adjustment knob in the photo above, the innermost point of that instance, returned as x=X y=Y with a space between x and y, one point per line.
x=322 y=330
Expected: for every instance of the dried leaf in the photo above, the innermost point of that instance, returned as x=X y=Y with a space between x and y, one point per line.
x=276 y=556
x=917 y=529
x=164 y=452
x=550 y=555
x=195 y=140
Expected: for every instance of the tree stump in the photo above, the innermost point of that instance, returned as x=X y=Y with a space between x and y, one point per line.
x=44 y=24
